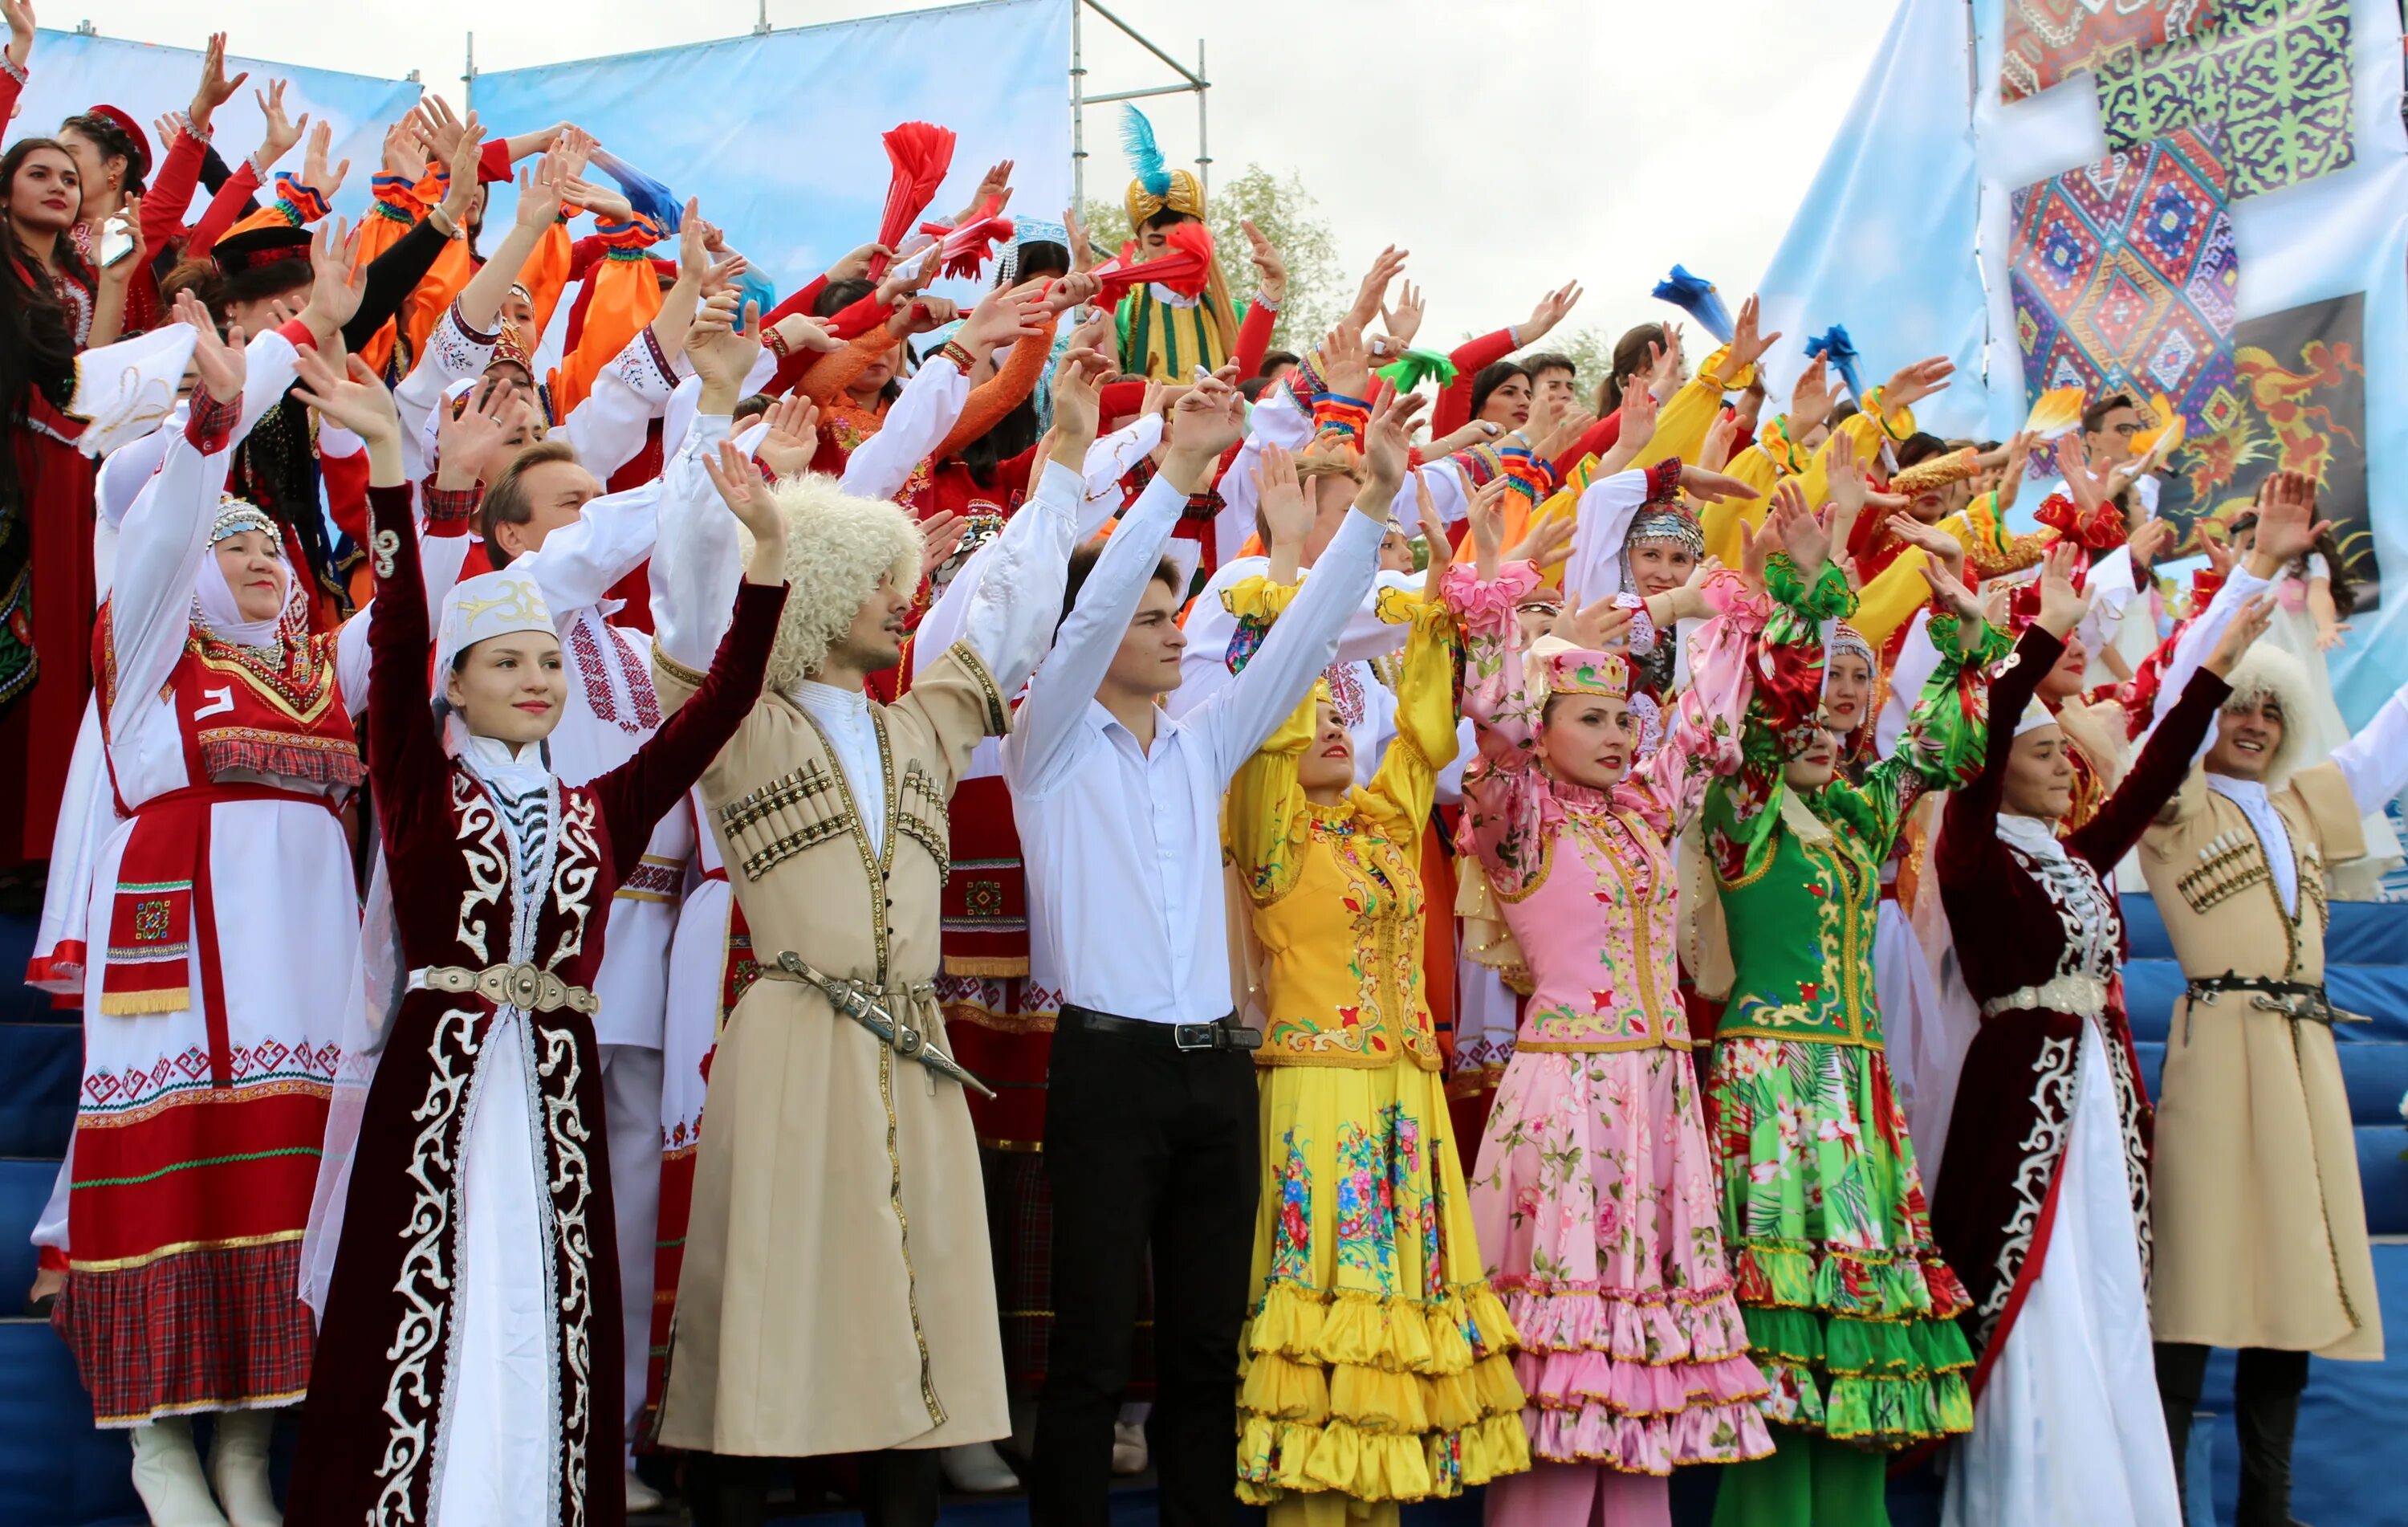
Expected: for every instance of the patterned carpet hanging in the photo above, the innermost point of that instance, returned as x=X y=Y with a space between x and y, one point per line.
x=2273 y=75
x=2125 y=274
x=2048 y=40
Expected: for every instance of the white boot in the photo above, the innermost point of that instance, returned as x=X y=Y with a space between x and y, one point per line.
x=238 y=1468
x=975 y=1468
x=640 y=1496
x=1129 y=1447
x=167 y=1476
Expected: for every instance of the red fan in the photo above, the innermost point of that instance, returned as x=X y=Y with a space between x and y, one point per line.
x=2100 y=531
x=966 y=247
x=923 y=155
x=1186 y=266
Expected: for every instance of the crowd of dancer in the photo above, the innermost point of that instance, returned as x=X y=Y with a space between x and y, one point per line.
x=653 y=870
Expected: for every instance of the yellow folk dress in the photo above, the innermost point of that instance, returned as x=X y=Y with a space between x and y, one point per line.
x=1376 y=1362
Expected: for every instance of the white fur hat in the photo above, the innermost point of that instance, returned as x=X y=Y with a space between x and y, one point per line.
x=2267 y=671
x=839 y=546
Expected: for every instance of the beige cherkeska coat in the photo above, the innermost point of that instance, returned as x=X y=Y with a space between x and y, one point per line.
x=837 y=1293
x=2260 y=1229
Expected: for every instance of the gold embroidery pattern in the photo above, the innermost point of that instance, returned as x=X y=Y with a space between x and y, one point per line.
x=798 y=810
x=920 y=813
x=2229 y=863
x=998 y=716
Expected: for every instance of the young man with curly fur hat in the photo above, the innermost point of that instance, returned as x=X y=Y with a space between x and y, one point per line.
x=836 y=1294
x=2259 y=1229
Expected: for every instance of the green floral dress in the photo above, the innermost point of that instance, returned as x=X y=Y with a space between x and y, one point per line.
x=1850 y=1310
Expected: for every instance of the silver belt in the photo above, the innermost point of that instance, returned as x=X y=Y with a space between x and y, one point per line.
x=2084 y=996
x=507 y=985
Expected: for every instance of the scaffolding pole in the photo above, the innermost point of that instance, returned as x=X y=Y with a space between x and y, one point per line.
x=1190 y=81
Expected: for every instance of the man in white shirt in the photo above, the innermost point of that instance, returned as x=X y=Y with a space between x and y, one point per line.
x=1151 y=1119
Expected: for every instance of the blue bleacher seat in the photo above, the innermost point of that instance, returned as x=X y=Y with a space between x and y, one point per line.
x=42 y=1063
x=24 y=1188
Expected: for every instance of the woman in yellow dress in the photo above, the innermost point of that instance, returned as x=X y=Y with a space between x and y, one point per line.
x=1377 y=1366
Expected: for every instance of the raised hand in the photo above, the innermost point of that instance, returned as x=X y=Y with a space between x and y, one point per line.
x=314 y=173
x=1345 y=363
x=1943 y=547
x=215 y=90
x=345 y=389
x=1083 y=249
x=121 y=273
x=436 y=126
x=996 y=182
x=1714 y=454
x=600 y=200
x=1281 y=498
x=1208 y=418
x=220 y=362
x=1596 y=626
x=2062 y=605
x=1374 y=290
x=800 y=333
x=1754 y=550
x=1270 y=271
x=282 y=133
x=940 y=536
x=1919 y=379
x=1078 y=404
x=1544 y=543
x=721 y=355
x=1403 y=320
x=2086 y=489
x=1387 y=446
x=1746 y=345
x=1487 y=516
x=2148 y=543
x=1810 y=399
x=1639 y=408
x=1070 y=291
x=1003 y=317
x=1549 y=312
x=461 y=168
x=2287 y=528
x=1713 y=487
x=541 y=193
x=338 y=281
x=402 y=155
x=923 y=315
x=468 y=442
x=20 y=29
x=1802 y=536
x=1563 y=433
x=794 y=435
x=1433 y=538
x=755 y=509
x=2248 y=623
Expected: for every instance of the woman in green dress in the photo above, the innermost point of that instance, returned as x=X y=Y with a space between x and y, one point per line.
x=1849 y=1308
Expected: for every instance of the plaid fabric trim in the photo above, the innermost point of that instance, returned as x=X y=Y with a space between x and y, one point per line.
x=217 y=1328
x=210 y=423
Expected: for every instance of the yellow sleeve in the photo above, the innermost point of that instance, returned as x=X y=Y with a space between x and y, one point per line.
x=1265 y=799
x=1407 y=780
x=1681 y=425
x=1720 y=522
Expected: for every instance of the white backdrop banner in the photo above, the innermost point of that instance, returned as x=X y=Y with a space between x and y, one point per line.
x=71 y=74
x=778 y=135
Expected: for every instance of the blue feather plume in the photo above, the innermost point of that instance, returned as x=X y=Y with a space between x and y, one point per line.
x=1835 y=343
x=1697 y=296
x=646 y=194
x=1144 y=154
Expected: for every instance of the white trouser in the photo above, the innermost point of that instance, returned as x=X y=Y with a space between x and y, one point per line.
x=631 y=1107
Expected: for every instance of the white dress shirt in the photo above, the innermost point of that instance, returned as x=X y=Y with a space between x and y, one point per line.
x=1122 y=841
x=843 y=717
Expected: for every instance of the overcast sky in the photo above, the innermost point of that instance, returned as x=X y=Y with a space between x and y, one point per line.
x=1511 y=144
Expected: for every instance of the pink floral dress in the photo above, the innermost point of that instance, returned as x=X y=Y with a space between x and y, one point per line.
x=1593 y=1195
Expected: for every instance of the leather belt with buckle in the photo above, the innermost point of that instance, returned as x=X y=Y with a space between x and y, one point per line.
x=1220 y=1034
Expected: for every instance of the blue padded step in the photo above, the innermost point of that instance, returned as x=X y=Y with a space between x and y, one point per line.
x=2377 y=1078
x=56 y=1470
x=2360 y=933
x=24 y=1188
x=2383 y=1177
x=19 y=1003
x=41 y=1067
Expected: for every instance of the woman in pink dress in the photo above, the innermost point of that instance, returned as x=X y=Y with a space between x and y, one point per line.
x=1594 y=1193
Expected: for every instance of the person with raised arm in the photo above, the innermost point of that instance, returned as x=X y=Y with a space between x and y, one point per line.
x=2064 y=1429
x=1595 y=1189
x=2259 y=1224
x=1850 y=1308
x=840 y=1157
x=225 y=962
x=1389 y=1312
x=1151 y=1118
x=472 y=1317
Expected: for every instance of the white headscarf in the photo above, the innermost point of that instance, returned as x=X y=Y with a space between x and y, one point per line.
x=214 y=605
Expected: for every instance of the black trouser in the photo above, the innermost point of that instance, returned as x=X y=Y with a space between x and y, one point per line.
x=898 y=1489
x=2266 y=1386
x=1145 y=1144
